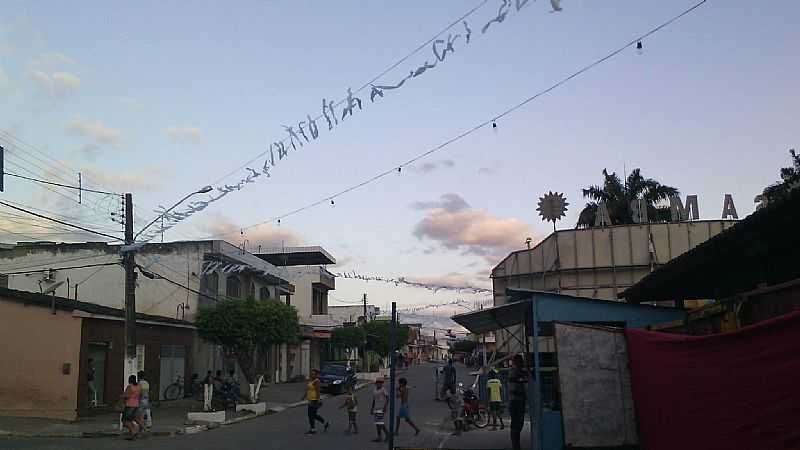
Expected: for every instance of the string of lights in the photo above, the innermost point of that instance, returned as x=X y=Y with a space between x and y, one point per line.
x=492 y=121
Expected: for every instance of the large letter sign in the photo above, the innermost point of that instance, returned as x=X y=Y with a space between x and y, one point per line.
x=679 y=213
x=728 y=208
x=601 y=217
x=639 y=210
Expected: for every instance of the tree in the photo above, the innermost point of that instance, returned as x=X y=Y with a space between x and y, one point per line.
x=349 y=337
x=463 y=346
x=378 y=336
x=617 y=197
x=243 y=327
x=790 y=179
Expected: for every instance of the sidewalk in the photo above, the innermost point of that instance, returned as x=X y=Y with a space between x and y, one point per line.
x=169 y=418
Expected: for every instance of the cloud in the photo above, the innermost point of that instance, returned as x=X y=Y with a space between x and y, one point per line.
x=267 y=236
x=55 y=85
x=96 y=132
x=147 y=178
x=432 y=166
x=456 y=226
x=5 y=81
x=449 y=202
x=51 y=61
x=185 y=134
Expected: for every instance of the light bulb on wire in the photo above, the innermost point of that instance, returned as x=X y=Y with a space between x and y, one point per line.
x=639 y=48
x=494 y=126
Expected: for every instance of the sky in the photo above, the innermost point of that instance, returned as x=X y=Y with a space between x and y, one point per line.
x=161 y=98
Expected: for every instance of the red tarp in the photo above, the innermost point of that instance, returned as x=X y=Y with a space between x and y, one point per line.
x=737 y=390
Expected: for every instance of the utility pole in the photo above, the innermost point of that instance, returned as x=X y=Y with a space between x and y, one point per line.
x=129 y=262
x=392 y=364
x=365 y=307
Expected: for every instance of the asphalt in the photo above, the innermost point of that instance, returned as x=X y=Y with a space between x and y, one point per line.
x=286 y=430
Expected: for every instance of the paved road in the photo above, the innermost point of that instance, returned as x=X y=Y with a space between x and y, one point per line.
x=286 y=430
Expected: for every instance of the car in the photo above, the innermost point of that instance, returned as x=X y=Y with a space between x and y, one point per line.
x=336 y=378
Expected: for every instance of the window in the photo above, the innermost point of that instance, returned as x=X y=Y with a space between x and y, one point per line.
x=209 y=284
x=263 y=293
x=233 y=287
x=319 y=303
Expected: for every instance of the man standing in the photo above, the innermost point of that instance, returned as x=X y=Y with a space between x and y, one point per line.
x=517 y=379
x=449 y=378
x=90 y=374
x=495 y=388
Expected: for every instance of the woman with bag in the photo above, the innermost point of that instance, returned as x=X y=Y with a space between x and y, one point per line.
x=312 y=395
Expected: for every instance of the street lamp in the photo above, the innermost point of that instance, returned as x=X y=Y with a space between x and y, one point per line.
x=203 y=190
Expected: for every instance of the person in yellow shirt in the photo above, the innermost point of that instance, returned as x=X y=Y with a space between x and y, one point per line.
x=495 y=387
x=312 y=396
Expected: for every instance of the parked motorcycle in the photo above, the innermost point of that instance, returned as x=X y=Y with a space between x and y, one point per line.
x=473 y=413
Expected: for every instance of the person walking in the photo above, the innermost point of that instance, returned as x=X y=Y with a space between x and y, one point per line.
x=351 y=403
x=405 y=411
x=495 y=388
x=130 y=415
x=91 y=373
x=517 y=395
x=144 y=401
x=312 y=395
x=380 y=400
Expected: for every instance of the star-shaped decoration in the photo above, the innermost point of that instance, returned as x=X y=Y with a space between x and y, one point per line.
x=552 y=206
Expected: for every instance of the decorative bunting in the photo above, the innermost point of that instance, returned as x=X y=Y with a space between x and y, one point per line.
x=299 y=133
x=403 y=281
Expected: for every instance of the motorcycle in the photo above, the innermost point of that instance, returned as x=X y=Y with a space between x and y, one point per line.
x=473 y=413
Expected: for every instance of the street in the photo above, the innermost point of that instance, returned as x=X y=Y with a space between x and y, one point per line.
x=286 y=430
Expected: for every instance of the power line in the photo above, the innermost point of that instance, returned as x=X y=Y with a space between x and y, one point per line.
x=63 y=216
x=61 y=268
x=475 y=128
x=59 y=221
x=59 y=184
x=156 y=275
x=368 y=83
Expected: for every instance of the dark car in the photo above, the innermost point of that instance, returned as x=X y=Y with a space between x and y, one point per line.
x=336 y=378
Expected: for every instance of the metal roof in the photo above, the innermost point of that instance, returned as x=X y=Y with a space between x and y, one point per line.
x=503 y=316
x=297 y=256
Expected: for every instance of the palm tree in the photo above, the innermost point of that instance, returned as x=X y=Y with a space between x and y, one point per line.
x=790 y=177
x=618 y=196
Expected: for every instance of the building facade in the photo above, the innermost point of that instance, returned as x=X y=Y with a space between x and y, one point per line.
x=186 y=276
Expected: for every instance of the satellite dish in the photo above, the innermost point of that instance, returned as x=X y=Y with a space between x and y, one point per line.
x=52 y=288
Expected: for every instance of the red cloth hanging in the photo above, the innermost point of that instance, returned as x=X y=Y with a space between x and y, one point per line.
x=736 y=390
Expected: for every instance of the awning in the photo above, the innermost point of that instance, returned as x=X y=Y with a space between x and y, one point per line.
x=491 y=319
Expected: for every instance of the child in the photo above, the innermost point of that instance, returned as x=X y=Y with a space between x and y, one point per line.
x=495 y=387
x=351 y=403
x=456 y=404
x=380 y=400
x=405 y=411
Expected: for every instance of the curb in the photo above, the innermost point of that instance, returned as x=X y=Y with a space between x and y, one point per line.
x=192 y=429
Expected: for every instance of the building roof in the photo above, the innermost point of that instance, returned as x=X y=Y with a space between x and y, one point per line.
x=65 y=304
x=762 y=249
x=297 y=256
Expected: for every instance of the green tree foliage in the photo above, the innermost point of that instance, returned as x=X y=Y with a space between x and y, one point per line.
x=378 y=336
x=464 y=346
x=790 y=179
x=349 y=337
x=618 y=196
x=244 y=326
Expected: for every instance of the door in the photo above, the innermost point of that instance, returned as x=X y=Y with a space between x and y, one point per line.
x=98 y=355
x=173 y=360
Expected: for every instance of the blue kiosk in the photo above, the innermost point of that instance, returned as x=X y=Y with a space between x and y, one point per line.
x=529 y=312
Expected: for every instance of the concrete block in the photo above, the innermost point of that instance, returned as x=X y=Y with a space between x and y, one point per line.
x=210 y=417
x=256 y=408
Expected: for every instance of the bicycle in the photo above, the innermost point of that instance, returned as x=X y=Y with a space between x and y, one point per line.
x=175 y=390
